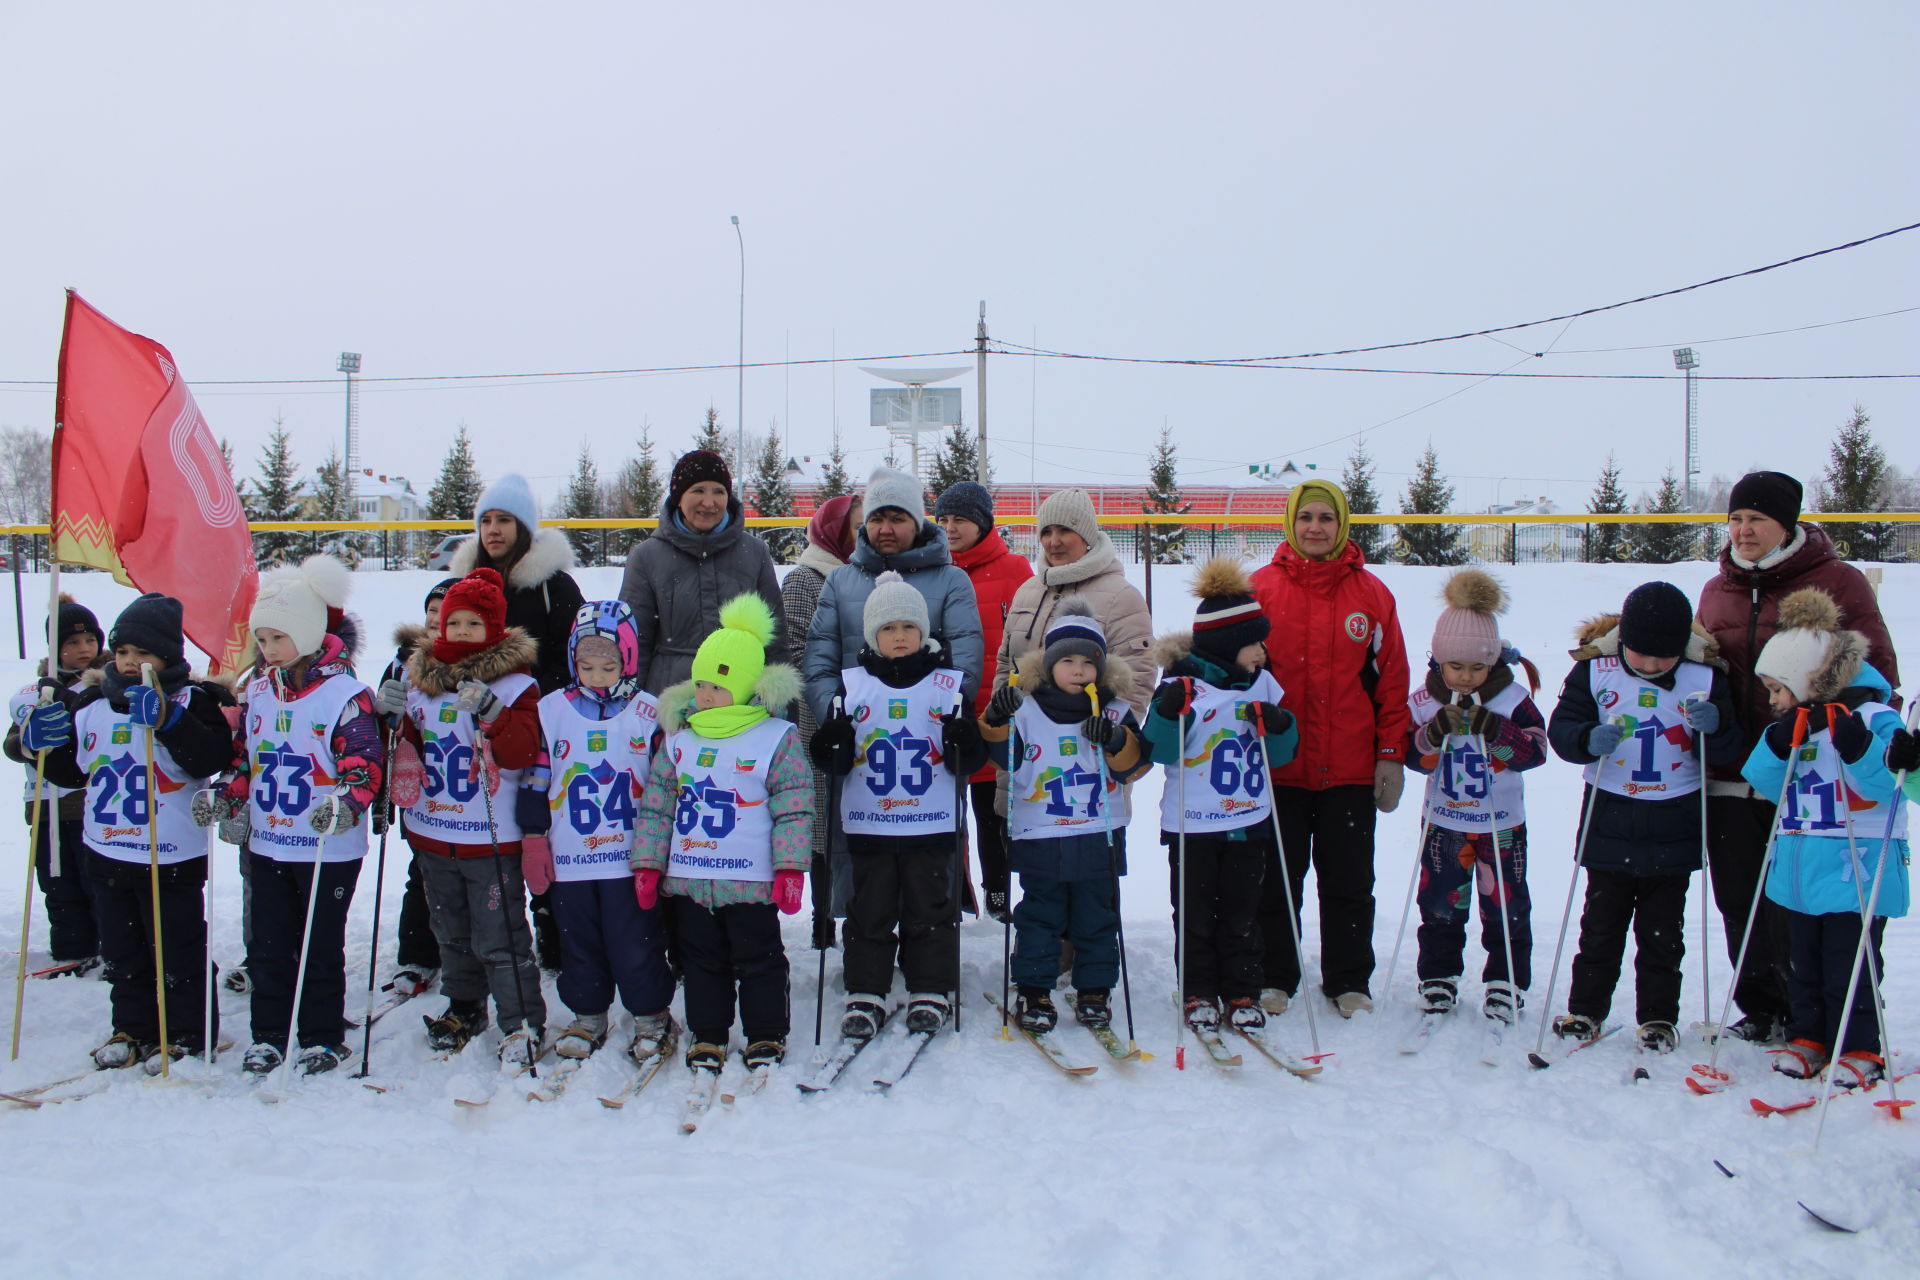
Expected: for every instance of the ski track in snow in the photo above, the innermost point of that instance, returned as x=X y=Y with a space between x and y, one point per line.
x=984 y=1161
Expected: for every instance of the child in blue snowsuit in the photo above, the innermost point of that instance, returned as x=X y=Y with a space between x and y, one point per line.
x=1833 y=739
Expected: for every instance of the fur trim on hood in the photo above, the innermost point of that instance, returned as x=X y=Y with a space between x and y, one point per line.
x=408 y=635
x=548 y=553
x=1599 y=637
x=1117 y=677
x=516 y=651
x=778 y=685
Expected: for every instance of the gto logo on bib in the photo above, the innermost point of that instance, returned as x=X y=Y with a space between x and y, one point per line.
x=1357 y=628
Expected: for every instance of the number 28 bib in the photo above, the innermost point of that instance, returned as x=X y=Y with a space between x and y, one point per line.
x=113 y=752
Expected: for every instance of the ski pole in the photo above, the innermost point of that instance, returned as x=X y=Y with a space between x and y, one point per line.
x=383 y=802
x=1712 y=1068
x=1406 y=908
x=1006 y=926
x=484 y=757
x=1113 y=873
x=1708 y=1028
x=1566 y=913
x=1180 y=903
x=1500 y=888
x=960 y=877
x=825 y=859
x=26 y=898
x=153 y=884
x=306 y=950
x=1286 y=883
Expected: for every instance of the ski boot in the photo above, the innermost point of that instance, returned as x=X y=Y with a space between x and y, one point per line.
x=261 y=1059
x=411 y=980
x=1858 y=1069
x=1348 y=1003
x=1658 y=1037
x=766 y=1054
x=927 y=1011
x=1800 y=1059
x=1275 y=1000
x=703 y=1056
x=1503 y=1002
x=1438 y=995
x=1756 y=1028
x=318 y=1059
x=1034 y=1011
x=864 y=1017
x=1094 y=1008
x=521 y=1049
x=237 y=980
x=1245 y=1012
x=1203 y=1013
x=450 y=1032
x=652 y=1032
x=1576 y=1026
x=120 y=1050
x=588 y=1032
x=158 y=1062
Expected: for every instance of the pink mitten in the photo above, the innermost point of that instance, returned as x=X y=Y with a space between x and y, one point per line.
x=646 y=888
x=536 y=863
x=789 y=887
x=409 y=775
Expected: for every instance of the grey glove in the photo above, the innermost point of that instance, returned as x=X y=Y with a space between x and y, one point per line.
x=332 y=816
x=1389 y=779
x=478 y=701
x=1603 y=738
x=215 y=804
x=391 y=700
x=1701 y=716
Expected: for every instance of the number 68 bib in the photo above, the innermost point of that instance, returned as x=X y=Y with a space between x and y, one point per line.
x=1224 y=760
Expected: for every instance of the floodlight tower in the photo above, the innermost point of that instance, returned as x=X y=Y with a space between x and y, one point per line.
x=1685 y=361
x=350 y=457
x=916 y=382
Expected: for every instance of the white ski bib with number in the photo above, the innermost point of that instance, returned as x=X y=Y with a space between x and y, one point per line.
x=599 y=767
x=451 y=806
x=113 y=753
x=1464 y=791
x=897 y=786
x=721 y=827
x=1656 y=758
x=1224 y=761
x=1054 y=789
x=18 y=708
x=291 y=769
x=1820 y=803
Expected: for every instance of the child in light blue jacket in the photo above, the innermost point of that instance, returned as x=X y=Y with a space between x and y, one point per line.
x=1840 y=808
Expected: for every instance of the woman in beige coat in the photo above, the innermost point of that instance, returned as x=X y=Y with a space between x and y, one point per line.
x=1078 y=558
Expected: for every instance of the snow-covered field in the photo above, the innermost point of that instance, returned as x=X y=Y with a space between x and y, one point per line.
x=984 y=1161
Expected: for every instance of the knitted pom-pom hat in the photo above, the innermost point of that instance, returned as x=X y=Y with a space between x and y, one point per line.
x=1074 y=630
x=1811 y=654
x=1229 y=618
x=892 y=600
x=1466 y=630
x=736 y=653
x=481 y=592
x=303 y=602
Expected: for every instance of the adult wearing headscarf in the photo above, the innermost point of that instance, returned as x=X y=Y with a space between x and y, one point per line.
x=830 y=537
x=542 y=596
x=965 y=512
x=1770 y=554
x=1337 y=651
x=700 y=557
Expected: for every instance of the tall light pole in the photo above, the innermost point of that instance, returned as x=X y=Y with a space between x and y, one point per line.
x=740 y=367
x=1685 y=361
x=350 y=452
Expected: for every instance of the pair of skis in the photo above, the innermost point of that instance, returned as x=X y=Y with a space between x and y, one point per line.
x=1494 y=1037
x=1217 y=1052
x=890 y=1063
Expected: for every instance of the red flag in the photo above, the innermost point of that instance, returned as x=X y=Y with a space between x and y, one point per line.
x=139 y=487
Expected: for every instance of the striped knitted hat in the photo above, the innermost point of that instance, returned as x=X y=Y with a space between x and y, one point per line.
x=1074 y=630
x=1229 y=618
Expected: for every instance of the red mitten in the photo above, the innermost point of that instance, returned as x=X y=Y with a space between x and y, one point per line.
x=646 y=888
x=536 y=863
x=409 y=775
x=789 y=887
x=484 y=758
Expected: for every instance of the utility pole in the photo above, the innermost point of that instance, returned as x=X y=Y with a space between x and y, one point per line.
x=980 y=393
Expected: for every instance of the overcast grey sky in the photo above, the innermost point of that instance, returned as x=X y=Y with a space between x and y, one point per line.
x=494 y=188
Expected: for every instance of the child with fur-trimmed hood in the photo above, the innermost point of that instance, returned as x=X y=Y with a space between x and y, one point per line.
x=471 y=711
x=1217 y=725
x=1475 y=730
x=901 y=731
x=1646 y=698
x=1067 y=813
x=1834 y=739
x=724 y=835
x=308 y=762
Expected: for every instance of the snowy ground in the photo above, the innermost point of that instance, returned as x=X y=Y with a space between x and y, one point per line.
x=985 y=1161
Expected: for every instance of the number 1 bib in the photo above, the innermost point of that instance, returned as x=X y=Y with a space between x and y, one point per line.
x=1656 y=757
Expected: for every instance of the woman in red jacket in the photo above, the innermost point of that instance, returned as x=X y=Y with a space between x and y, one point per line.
x=965 y=511
x=1336 y=651
x=1769 y=555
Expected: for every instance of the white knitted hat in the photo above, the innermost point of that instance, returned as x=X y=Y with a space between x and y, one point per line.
x=1071 y=509
x=302 y=601
x=892 y=600
x=889 y=488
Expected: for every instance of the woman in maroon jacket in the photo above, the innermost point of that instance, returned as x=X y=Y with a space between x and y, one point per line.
x=1769 y=555
x=1337 y=652
x=965 y=511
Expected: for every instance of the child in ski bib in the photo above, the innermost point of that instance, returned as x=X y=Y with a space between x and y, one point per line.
x=900 y=735
x=472 y=723
x=1645 y=699
x=1068 y=764
x=101 y=739
x=1475 y=731
x=577 y=807
x=1840 y=744
x=1217 y=725
x=724 y=834
x=310 y=760
x=417 y=953
x=73 y=937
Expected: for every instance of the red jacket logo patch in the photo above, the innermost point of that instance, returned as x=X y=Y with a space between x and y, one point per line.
x=1358 y=629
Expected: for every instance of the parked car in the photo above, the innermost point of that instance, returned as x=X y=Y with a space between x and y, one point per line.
x=441 y=557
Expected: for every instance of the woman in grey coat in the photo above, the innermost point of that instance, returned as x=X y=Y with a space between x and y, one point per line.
x=700 y=557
